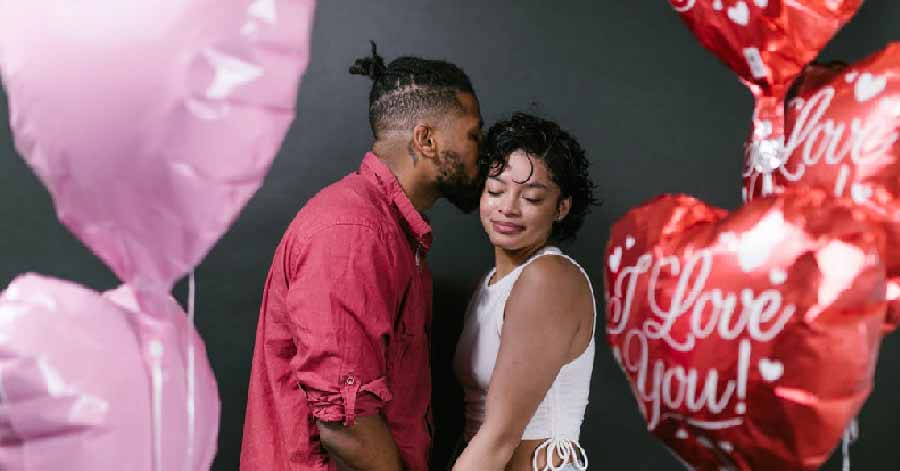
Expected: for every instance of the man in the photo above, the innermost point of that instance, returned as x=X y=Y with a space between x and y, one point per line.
x=341 y=375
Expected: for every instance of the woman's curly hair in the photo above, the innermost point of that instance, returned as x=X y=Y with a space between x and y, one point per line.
x=558 y=150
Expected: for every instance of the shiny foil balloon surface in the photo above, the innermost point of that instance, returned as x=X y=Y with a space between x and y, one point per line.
x=151 y=123
x=75 y=393
x=843 y=131
x=767 y=43
x=750 y=339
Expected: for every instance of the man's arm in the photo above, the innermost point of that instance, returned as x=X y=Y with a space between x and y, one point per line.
x=342 y=306
x=367 y=445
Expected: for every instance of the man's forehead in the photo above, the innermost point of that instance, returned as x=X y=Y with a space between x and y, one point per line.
x=469 y=103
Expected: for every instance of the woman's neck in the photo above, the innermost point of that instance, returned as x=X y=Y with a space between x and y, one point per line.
x=506 y=261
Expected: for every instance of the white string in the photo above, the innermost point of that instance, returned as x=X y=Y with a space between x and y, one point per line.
x=156 y=379
x=768 y=186
x=851 y=433
x=568 y=451
x=191 y=379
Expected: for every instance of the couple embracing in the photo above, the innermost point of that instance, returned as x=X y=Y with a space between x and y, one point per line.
x=341 y=374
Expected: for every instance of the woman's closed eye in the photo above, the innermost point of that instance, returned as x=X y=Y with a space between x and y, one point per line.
x=494 y=189
x=533 y=199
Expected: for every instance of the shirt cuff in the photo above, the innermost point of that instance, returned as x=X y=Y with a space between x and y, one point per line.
x=353 y=399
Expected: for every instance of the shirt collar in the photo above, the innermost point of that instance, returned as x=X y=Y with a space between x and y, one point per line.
x=414 y=222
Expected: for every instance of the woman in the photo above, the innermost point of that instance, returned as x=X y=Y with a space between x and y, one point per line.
x=526 y=353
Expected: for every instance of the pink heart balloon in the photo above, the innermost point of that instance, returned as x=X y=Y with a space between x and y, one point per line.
x=87 y=384
x=152 y=123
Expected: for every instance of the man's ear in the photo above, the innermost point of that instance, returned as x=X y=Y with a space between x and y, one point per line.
x=423 y=141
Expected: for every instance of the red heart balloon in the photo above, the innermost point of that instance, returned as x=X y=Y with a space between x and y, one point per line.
x=749 y=340
x=843 y=136
x=767 y=43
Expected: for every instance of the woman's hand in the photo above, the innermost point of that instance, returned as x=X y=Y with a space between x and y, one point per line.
x=484 y=454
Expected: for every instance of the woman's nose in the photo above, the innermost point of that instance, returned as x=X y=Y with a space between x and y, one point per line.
x=509 y=206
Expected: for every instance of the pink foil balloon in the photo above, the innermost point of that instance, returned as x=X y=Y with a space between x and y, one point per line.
x=86 y=384
x=152 y=123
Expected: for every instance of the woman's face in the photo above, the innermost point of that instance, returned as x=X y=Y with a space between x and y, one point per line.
x=520 y=204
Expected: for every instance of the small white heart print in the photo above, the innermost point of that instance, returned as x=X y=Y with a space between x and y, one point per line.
x=629 y=242
x=739 y=13
x=869 y=86
x=777 y=276
x=860 y=193
x=771 y=370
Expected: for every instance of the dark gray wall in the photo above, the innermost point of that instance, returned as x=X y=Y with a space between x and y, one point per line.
x=656 y=112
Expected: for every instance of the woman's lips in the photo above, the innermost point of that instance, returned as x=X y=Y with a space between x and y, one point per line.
x=507 y=228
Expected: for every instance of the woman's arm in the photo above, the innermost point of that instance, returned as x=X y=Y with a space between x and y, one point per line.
x=543 y=314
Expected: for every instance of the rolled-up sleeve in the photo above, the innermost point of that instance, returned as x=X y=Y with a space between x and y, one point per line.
x=342 y=301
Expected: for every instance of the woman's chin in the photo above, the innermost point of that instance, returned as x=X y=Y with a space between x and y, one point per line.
x=506 y=242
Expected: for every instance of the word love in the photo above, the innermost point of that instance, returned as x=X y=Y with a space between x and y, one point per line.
x=816 y=140
x=746 y=315
x=760 y=316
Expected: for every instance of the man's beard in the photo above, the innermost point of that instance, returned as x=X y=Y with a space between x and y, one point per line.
x=454 y=184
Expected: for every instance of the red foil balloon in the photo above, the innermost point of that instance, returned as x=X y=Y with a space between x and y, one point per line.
x=750 y=340
x=843 y=132
x=767 y=43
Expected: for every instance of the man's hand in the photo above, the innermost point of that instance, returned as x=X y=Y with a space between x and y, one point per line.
x=367 y=445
